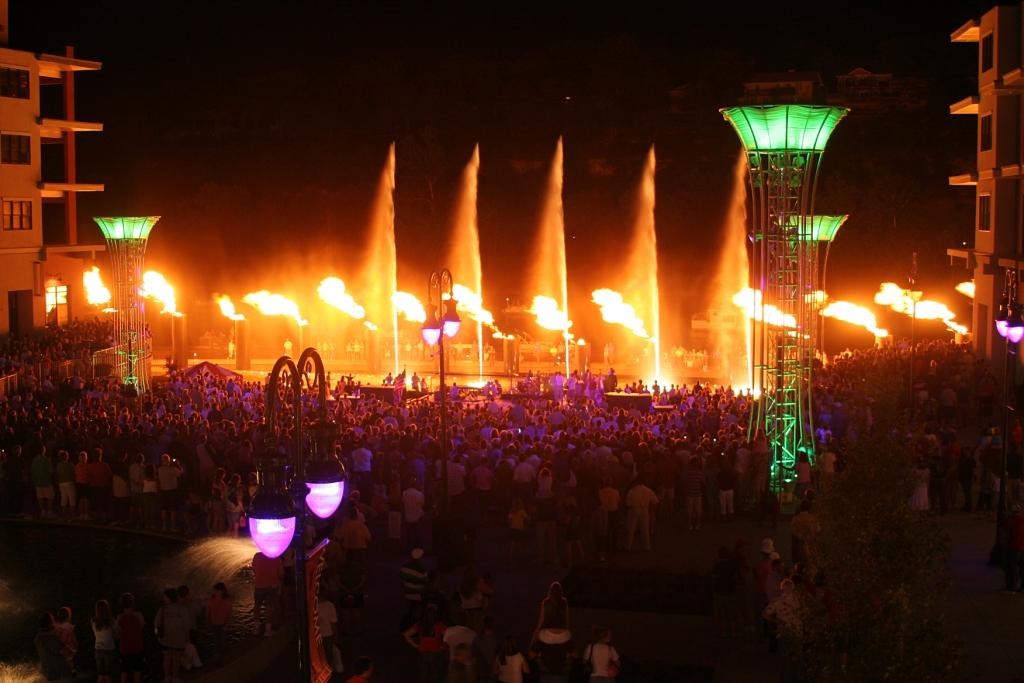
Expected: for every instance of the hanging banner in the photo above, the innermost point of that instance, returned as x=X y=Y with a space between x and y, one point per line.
x=320 y=666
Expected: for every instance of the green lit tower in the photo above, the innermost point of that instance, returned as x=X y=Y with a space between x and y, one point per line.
x=126 y=240
x=784 y=145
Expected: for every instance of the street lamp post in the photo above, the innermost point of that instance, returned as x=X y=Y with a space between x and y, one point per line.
x=434 y=331
x=914 y=297
x=1010 y=326
x=277 y=513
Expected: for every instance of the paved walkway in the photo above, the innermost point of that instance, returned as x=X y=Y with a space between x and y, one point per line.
x=988 y=621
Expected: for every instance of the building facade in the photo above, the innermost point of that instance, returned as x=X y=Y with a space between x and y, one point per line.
x=866 y=93
x=41 y=261
x=996 y=180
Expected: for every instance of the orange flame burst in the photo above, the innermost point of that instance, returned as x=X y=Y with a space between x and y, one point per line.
x=903 y=301
x=749 y=300
x=549 y=315
x=615 y=310
x=227 y=307
x=269 y=303
x=471 y=304
x=96 y=293
x=332 y=291
x=966 y=288
x=855 y=315
x=155 y=286
x=409 y=307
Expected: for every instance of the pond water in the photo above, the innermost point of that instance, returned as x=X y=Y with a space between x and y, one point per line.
x=46 y=566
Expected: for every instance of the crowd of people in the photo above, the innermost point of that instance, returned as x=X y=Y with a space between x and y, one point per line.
x=568 y=477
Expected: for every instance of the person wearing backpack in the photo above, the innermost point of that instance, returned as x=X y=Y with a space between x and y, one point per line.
x=601 y=658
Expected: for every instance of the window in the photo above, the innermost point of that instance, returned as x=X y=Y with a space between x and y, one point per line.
x=984 y=212
x=13 y=82
x=56 y=302
x=17 y=214
x=985 y=133
x=15 y=149
x=987 y=52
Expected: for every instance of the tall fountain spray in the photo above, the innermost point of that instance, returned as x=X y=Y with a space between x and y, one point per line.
x=547 y=271
x=379 y=277
x=730 y=328
x=464 y=246
x=643 y=259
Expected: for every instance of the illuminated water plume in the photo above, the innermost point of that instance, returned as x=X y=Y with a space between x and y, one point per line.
x=548 y=270
x=378 y=280
x=730 y=333
x=642 y=264
x=463 y=256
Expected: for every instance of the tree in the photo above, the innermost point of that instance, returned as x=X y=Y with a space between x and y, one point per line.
x=882 y=565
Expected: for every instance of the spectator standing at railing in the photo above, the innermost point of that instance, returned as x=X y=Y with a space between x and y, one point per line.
x=42 y=480
x=66 y=484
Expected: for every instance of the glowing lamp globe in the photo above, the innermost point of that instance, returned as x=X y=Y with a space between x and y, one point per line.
x=272 y=536
x=326 y=482
x=1001 y=327
x=431 y=333
x=324 y=499
x=272 y=522
x=451 y=321
x=1015 y=325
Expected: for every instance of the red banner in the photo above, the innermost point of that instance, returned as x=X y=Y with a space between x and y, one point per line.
x=319 y=660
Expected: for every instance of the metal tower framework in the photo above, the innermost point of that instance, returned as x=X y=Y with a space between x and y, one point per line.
x=126 y=240
x=784 y=146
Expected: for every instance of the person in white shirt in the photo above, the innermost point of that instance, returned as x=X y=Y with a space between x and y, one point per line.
x=362 y=468
x=413 y=502
x=456 y=635
x=601 y=656
x=639 y=500
x=510 y=665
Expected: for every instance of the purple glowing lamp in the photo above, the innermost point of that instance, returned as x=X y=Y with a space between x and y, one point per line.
x=431 y=332
x=272 y=522
x=272 y=536
x=326 y=482
x=451 y=321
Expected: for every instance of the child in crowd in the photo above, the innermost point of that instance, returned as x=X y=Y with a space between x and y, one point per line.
x=218 y=614
x=65 y=632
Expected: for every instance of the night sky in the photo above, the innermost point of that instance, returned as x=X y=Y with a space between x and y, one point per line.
x=259 y=134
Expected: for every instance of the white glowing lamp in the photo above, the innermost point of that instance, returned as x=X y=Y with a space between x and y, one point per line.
x=1001 y=327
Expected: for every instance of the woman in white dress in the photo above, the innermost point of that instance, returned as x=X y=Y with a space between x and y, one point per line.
x=919 y=499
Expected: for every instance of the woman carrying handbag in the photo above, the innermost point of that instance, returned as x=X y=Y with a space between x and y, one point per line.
x=601 y=658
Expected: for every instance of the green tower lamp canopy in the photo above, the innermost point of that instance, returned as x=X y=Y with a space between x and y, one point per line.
x=126 y=227
x=778 y=127
x=823 y=228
